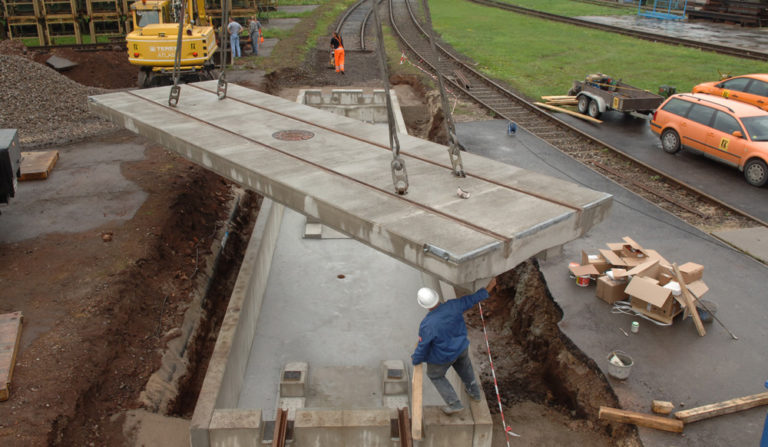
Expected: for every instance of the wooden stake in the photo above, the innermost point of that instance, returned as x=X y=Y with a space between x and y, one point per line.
x=416 y=400
x=569 y=112
x=689 y=302
x=721 y=408
x=645 y=420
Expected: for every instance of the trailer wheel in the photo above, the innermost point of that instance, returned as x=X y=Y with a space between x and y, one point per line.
x=583 y=104
x=670 y=141
x=756 y=172
x=594 y=109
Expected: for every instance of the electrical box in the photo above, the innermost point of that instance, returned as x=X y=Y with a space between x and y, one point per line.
x=10 y=163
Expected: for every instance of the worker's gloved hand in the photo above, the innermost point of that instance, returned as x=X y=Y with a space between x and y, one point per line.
x=491 y=285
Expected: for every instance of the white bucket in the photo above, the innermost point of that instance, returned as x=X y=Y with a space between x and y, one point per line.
x=621 y=371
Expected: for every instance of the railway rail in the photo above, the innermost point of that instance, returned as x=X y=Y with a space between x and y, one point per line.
x=687 y=202
x=705 y=46
x=353 y=25
x=101 y=46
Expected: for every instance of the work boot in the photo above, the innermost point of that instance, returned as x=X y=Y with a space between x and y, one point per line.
x=453 y=408
x=474 y=392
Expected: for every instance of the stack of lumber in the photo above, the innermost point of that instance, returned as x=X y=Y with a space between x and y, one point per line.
x=556 y=103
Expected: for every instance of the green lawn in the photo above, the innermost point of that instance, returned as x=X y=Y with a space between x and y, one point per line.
x=539 y=57
x=571 y=8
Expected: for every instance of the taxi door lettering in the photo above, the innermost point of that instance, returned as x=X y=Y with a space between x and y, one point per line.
x=725 y=93
x=724 y=144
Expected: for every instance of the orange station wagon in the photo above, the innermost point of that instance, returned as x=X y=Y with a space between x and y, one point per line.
x=751 y=88
x=728 y=131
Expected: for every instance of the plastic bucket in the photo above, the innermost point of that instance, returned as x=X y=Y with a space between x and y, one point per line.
x=620 y=372
x=582 y=281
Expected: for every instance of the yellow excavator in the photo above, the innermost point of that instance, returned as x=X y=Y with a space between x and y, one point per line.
x=152 y=43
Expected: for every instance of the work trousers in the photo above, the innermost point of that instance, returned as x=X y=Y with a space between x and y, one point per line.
x=338 y=56
x=255 y=42
x=463 y=367
x=234 y=41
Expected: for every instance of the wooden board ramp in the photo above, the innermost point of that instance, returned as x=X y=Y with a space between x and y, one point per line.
x=416 y=401
x=10 y=335
x=37 y=165
x=721 y=408
x=646 y=420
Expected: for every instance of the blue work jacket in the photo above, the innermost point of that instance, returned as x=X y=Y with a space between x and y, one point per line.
x=442 y=333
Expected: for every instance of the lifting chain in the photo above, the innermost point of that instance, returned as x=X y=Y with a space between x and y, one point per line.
x=454 y=152
x=173 y=98
x=399 y=173
x=221 y=87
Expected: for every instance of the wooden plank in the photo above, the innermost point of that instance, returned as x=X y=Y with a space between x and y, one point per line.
x=569 y=112
x=645 y=420
x=721 y=408
x=10 y=335
x=555 y=97
x=416 y=401
x=689 y=302
x=37 y=165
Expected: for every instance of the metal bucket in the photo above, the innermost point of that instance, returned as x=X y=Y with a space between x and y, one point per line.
x=620 y=372
x=582 y=281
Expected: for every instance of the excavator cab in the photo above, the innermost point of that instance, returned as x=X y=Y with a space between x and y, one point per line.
x=150 y=12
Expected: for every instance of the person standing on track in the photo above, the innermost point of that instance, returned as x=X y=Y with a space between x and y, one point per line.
x=234 y=29
x=443 y=343
x=254 y=30
x=337 y=44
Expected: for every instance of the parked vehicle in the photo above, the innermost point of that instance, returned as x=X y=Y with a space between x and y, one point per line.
x=599 y=92
x=752 y=89
x=728 y=131
x=10 y=163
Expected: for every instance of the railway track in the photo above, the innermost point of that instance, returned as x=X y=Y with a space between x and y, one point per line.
x=354 y=26
x=721 y=49
x=685 y=201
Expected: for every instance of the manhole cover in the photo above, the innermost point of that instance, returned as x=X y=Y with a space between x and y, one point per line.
x=293 y=135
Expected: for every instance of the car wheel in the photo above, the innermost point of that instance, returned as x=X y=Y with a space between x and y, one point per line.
x=670 y=141
x=583 y=104
x=594 y=109
x=756 y=172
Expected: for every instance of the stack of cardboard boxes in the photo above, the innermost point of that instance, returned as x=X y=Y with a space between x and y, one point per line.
x=627 y=271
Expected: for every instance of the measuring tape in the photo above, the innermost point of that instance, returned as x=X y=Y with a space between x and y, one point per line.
x=507 y=429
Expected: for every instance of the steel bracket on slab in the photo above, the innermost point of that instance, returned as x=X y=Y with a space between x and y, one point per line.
x=173 y=99
x=221 y=87
x=450 y=257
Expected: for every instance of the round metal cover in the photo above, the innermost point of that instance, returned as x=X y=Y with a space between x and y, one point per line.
x=293 y=135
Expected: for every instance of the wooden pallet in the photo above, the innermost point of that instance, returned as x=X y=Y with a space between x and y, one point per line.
x=37 y=165
x=10 y=334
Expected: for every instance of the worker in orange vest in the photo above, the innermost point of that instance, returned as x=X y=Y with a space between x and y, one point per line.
x=338 y=52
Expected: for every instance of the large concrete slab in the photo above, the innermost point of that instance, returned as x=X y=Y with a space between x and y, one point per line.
x=341 y=176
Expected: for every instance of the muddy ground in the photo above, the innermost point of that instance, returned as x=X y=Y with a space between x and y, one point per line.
x=102 y=308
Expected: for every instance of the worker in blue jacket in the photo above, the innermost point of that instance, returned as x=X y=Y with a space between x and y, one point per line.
x=443 y=343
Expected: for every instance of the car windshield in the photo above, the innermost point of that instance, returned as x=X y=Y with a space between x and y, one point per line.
x=757 y=127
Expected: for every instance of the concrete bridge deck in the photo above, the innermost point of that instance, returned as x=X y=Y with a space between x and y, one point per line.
x=340 y=174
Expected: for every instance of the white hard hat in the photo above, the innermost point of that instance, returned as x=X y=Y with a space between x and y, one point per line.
x=427 y=298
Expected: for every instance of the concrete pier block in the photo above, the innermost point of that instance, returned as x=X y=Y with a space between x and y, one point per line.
x=379 y=96
x=347 y=96
x=394 y=377
x=441 y=430
x=293 y=379
x=235 y=428
x=318 y=427
x=313 y=97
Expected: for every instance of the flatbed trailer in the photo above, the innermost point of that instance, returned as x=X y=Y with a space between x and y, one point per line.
x=599 y=93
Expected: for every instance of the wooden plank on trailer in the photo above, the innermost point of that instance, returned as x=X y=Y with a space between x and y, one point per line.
x=645 y=420
x=721 y=408
x=569 y=112
x=10 y=335
x=416 y=401
x=37 y=165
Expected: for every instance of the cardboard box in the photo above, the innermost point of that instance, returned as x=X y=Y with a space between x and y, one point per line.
x=609 y=290
x=691 y=272
x=649 y=298
x=612 y=258
x=601 y=265
x=584 y=270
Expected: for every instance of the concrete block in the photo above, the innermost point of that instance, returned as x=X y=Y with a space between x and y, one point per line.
x=394 y=377
x=347 y=96
x=370 y=427
x=313 y=97
x=293 y=379
x=313 y=230
x=441 y=430
x=60 y=63
x=379 y=96
x=235 y=428
x=318 y=427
